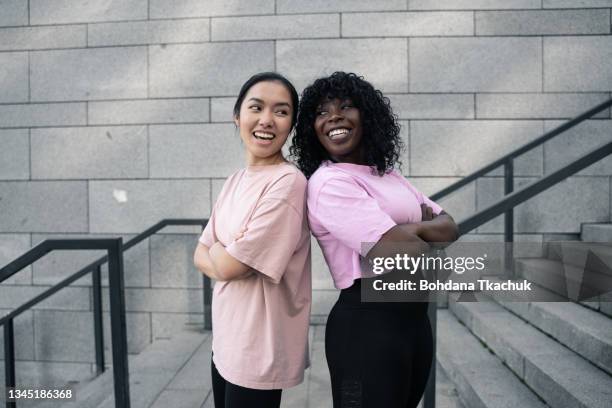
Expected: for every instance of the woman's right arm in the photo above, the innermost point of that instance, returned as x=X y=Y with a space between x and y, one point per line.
x=399 y=239
x=219 y=266
x=203 y=262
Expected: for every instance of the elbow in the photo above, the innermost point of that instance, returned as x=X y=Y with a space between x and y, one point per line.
x=457 y=233
x=450 y=230
x=199 y=265
x=222 y=275
x=453 y=232
x=196 y=261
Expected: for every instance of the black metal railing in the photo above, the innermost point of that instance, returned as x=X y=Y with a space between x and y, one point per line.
x=207 y=292
x=117 y=303
x=507 y=161
x=114 y=256
x=512 y=199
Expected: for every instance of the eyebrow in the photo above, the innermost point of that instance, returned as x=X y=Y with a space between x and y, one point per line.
x=278 y=104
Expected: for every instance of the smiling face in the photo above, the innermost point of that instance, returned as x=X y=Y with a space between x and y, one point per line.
x=265 y=122
x=338 y=127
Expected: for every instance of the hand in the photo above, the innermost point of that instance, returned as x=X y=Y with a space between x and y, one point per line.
x=427 y=213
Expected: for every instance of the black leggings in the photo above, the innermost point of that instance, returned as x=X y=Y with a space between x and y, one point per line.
x=379 y=354
x=228 y=395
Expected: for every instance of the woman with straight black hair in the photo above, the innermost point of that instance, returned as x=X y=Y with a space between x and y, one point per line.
x=256 y=245
x=347 y=143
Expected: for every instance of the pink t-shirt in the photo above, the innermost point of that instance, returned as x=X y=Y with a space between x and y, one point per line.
x=260 y=323
x=349 y=206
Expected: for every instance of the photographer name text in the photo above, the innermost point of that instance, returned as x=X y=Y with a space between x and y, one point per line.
x=480 y=284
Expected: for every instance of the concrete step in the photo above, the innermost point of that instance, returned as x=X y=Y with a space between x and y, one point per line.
x=562 y=378
x=597 y=257
x=446 y=392
x=596 y=233
x=191 y=386
x=167 y=372
x=481 y=380
x=576 y=254
x=153 y=371
x=566 y=280
x=580 y=329
x=560 y=278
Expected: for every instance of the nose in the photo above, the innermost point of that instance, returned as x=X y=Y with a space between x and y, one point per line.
x=266 y=119
x=335 y=116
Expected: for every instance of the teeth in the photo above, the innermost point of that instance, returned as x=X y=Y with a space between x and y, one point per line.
x=337 y=132
x=263 y=135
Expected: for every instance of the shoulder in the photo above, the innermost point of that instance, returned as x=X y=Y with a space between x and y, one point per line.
x=290 y=177
x=230 y=183
x=332 y=186
x=326 y=174
x=287 y=182
x=235 y=176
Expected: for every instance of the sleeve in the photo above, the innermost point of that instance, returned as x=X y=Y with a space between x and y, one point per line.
x=349 y=214
x=208 y=236
x=271 y=236
x=423 y=199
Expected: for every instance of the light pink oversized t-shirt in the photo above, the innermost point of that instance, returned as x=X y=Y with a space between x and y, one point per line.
x=349 y=206
x=260 y=323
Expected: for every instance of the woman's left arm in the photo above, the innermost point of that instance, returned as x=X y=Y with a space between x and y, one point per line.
x=217 y=264
x=436 y=228
x=226 y=266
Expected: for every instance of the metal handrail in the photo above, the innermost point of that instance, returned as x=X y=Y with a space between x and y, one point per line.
x=533 y=189
x=523 y=149
x=512 y=199
x=114 y=249
x=119 y=345
x=503 y=206
x=18 y=264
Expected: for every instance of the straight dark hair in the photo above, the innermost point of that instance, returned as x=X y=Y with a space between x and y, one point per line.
x=269 y=76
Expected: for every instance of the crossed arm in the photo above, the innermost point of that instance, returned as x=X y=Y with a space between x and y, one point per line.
x=216 y=263
x=440 y=228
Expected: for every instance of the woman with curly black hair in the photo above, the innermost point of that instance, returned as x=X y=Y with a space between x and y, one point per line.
x=347 y=143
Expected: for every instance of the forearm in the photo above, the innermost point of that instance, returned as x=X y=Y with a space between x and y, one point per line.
x=401 y=239
x=226 y=266
x=440 y=229
x=204 y=263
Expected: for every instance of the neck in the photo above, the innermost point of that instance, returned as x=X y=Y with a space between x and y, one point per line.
x=265 y=161
x=355 y=157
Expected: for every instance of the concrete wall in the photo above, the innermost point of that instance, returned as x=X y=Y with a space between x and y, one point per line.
x=105 y=99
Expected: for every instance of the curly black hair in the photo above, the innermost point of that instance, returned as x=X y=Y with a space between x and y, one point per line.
x=381 y=141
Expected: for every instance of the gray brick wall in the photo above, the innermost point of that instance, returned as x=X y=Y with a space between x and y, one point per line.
x=116 y=113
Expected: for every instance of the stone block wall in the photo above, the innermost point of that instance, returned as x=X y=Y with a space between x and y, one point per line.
x=115 y=114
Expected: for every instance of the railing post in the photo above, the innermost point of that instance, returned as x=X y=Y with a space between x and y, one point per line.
x=207 y=297
x=207 y=303
x=9 y=359
x=98 y=325
x=509 y=220
x=118 y=331
x=429 y=397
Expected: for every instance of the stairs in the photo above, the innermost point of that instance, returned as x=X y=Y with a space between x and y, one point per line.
x=169 y=372
x=491 y=354
x=176 y=373
x=534 y=354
